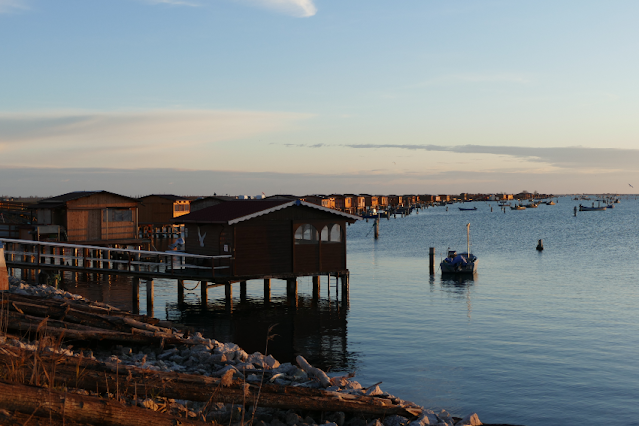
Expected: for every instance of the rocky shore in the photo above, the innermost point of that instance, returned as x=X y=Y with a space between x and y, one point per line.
x=207 y=380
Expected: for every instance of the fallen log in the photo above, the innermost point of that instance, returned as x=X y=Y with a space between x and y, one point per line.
x=128 y=380
x=79 y=408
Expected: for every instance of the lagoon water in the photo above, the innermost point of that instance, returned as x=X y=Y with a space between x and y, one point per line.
x=535 y=338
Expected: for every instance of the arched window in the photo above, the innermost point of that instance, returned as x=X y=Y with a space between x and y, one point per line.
x=336 y=233
x=324 y=234
x=306 y=234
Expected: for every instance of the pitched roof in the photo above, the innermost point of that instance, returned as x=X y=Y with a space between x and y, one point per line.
x=166 y=196
x=60 y=200
x=233 y=212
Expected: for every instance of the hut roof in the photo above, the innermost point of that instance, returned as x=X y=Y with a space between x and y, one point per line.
x=233 y=212
x=166 y=196
x=61 y=200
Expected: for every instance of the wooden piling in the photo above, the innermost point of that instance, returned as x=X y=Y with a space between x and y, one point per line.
x=316 y=288
x=228 y=296
x=204 y=292
x=135 y=295
x=291 y=291
x=377 y=228
x=431 y=257
x=242 y=291
x=345 y=290
x=267 y=290
x=149 y=297
x=180 y=290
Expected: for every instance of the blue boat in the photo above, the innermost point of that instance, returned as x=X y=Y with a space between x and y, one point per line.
x=463 y=209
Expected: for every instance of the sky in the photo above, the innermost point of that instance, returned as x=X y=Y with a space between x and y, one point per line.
x=195 y=97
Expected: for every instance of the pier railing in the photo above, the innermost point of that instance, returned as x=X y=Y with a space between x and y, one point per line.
x=40 y=255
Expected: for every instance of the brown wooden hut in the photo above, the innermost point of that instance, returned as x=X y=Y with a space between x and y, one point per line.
x=271 y=238
x=91 y=217
x=161 y=209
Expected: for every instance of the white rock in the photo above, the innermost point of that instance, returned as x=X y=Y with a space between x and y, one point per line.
x=471 y=419
x=374 y=391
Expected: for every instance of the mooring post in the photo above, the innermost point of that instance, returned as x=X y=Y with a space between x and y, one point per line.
x=377 y=228
x=575 y=211
x=228 y=295
x=316 y=288
x=135 y=295
x=180 y=291
x=291 y=291
x=431 y=257
x=267 y=290
x=242 y=291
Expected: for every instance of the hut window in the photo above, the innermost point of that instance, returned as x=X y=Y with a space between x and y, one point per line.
x=306 y=234
x=117 y=215
x=332 y=234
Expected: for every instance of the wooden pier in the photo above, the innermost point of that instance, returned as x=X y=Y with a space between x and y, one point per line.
x=39 y=261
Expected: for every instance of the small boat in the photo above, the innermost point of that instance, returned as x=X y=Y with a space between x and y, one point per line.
x=463 y=209
x=591 y=209
x=531 y=206
x=519 y=207
x=462 y=263
x=550 y=203
x=611 y=206
x=372 y=214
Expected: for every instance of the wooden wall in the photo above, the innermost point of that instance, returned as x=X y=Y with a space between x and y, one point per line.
x=85 y=219
x=159 y=210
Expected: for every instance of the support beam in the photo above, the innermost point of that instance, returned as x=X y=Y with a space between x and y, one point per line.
x=180 y=292
x=242 y=291
x=204 y=292
x=135 y=295
x=291 y=291
x=316 y=288
x=345 y=290
x=149 y=297
x=228 y=296
x=267 y=290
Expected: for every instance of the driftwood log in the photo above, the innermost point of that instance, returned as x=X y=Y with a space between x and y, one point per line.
x=92 y=375
x=83 y=409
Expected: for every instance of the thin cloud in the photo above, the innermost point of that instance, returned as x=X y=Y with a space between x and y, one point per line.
x=9 y=6
x=296 y=8
x=564 y=157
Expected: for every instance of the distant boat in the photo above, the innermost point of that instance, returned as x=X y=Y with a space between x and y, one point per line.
x=462 y=263
x=550 y=203
x=591 y=209
x=519 y=207
x=463 y=209
x=531 y=205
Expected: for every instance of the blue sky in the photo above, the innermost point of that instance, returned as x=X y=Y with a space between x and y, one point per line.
x=299 y=96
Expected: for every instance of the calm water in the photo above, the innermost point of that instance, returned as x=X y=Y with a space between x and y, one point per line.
x=535 y=338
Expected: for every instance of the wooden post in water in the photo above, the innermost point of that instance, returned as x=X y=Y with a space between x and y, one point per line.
x=377 y=227
x=135 y=295
x=291 y=291
x=149 y=297
x=316 y=288
x=431 y=258
x=228 y=296
x=345 y=290
x=180 y=290
x=204 y=292
x=267 y=290
x=242 y=291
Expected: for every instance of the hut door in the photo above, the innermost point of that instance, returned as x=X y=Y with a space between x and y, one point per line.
x=94 y=225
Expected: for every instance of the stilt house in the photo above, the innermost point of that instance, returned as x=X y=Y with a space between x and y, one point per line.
x=278 y=239
x=95 y=217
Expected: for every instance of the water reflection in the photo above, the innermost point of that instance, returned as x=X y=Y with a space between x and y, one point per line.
x=317 y=330
x=459 y=287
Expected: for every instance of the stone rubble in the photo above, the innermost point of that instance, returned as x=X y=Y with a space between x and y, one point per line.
x=208 y=357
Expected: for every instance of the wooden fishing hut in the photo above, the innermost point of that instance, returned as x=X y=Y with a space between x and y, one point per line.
x=157 y=212
x=371 y=201
x=394 y=201
x=382 y=201
x=358 y=203
x=320 y=200
x=92 y=217
x=268 y=239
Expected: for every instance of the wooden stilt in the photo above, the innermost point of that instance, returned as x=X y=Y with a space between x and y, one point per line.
x=135 y=295
x=228 y=295
x=345 y=290
x=149 y=297
x=267 y=290
x=204 y=292
x=316 y=288
x=242 y=291
x=180 y=290
x=291 y=291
